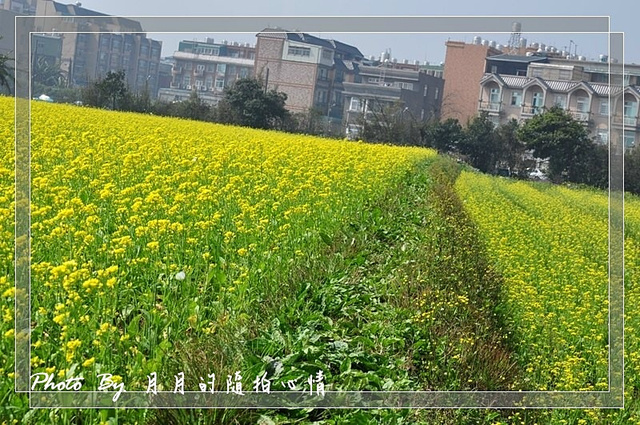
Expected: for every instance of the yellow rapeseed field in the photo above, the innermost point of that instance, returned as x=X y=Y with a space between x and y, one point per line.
x=550 y=245
x=150 y=230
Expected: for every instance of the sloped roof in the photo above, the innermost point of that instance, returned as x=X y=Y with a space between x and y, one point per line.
x=73 y=10
x=303 y=37
x=346 y=48
x=561 y=86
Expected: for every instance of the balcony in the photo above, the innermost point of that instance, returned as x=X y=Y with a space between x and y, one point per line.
x=531 y=110
x=580 y=115
x=176 y=70
x=174 y=85
x=490 y=106
x=626 y=120
x=198 y=72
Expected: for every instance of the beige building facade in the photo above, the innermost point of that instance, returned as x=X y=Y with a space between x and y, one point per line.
x=599 y=106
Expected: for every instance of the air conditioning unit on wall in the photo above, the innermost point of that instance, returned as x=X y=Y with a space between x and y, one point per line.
x=188 y=87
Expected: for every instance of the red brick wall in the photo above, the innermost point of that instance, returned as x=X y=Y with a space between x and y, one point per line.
x=464 y=67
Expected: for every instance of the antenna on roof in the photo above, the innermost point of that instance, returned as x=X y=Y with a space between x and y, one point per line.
x=514 y=41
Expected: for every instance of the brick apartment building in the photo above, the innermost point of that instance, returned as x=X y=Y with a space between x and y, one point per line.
x=310 y=70
x=464 y=67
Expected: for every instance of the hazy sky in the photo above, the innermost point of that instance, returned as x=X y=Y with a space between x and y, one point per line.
x=429 y=47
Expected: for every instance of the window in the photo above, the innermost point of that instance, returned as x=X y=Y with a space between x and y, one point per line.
x=426 y=90
x=436 y=95
x=323 y=74
x=322 y=96
x=603 y=136
x=516 y=98
x=219 y=83
x=144 y=50
x=299 y=51
x=356 y=104
x=211 y=68
x=373 y=80
x=629 y=139
x=188 y=66
x=186 y=80
x=583 y=104
x=200 y=68
x=494 y=69
x=536 y=103
x=537 y=99
x=208 y=82
x=604 y=107
x=327 y=54
x=630 y=108
x=222 y=68
x=244 y=72
x=560 y=100
x=407 y=86
x=494 y=96
x=198 y=83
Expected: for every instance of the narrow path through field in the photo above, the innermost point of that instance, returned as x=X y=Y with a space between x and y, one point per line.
x=404 y=301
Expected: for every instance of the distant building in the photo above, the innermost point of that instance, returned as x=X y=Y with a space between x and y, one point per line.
x=434 y=70
x=310 y=70
x=25 y=7
x=46 y=48
x=416 y=93
x=165 y=77
x=208 y=68
x=87 y=57
x=8 y=40
x=464 y=66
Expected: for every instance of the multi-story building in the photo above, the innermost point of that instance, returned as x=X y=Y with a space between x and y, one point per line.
x=310 y=70
x=208 y=68
x=25 y=7
x=375 y=87
x=464 y=66
x=579 y=87
x=7 y=37
x=92 y=47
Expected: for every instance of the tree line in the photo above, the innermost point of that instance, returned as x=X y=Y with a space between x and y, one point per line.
x=508 y=149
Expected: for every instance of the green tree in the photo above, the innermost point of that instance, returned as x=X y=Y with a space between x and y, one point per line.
x=248 y=103
x=443 y=136
x=111 y=92
x=632 y=171
x=389 y=123
x=193 y=108
x=479 y=143
x=554 y=134
x=510 y=149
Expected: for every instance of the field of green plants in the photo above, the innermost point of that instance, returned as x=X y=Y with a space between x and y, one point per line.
x=165 y=245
